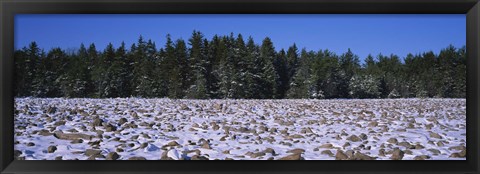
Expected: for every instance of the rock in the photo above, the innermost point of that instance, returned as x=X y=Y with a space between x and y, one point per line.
x=206 y=146
x=198 y=157
x=243 y=129
x=30 y=144
x=457 y=148
x=373 y=124
x=434 y=151
x=381 y=152
x=363 y=136
x=306 y=131
x=97 y=122
x=134 y=137
x=296 y=151
x=258 y=154
x=346 y=144
x=326 y=146
x=17 y=153
x=137 y=158
x=112 y=156
x=110 y=128
x=354 y=138
x=440 y=144
x=406 y=145
x=297 y=136
x=44 y=132
x=217 y=106
x=52 y=110
x=184 y=107
x=269 y=150
x=397 y=154
x=73 y=136
x=461 y=154
x=58 y=158
x=340 y=155
x=327 y=152
x=122 y=121
x=421 y=157
x=296 y=156
x=164 y=156
x=60 y=123
x=173 y=143
x=51 y=149
x=215 y=127
x=76 y=141
x=419 y=146
x=392 y=141
x=361 y=156
x=349 y=153
x=435 y=135
x=92 y=152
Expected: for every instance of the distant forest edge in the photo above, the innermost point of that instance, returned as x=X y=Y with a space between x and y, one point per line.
x=229 y=67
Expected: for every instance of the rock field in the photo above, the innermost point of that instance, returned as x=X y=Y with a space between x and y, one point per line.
x=168 y=129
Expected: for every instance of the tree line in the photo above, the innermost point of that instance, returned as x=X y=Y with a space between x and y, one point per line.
x=230 y=67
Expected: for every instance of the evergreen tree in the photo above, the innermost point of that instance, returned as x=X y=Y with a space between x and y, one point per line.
x=227 y=67
x=281 y=69
x=302 y=85
x=198 y=62
x=47 y=81
x=268 y=74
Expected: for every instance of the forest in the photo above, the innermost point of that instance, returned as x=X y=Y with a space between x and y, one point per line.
x=231 y=67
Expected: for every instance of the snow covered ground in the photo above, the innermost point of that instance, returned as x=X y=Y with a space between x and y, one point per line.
x=153 y=129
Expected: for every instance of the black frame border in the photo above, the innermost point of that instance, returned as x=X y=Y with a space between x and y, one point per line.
x=8 y=9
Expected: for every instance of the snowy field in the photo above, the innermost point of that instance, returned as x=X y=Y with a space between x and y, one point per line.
x=154 y=129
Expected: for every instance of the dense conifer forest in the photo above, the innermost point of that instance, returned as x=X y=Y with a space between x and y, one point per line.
x=234 y=67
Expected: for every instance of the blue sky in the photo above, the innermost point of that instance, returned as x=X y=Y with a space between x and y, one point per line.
x=363 y=34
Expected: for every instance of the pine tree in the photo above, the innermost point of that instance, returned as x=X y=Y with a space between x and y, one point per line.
x=217 y=52
x=47 y=81
x=239 y=81
x=227 y=67
x=268 y=75
x=28 y=61
x=252 y=75
x=197 y=64
x=281 y=68
x=177 y=57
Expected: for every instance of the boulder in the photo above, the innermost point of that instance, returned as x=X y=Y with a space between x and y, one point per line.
x=397 y=154
x=92 y=152
x=137 y=158
x=354 y=138
x=361 y=156
x=112 y=156
x=340 y=155
x=296 y=156
x=435 y=135
x=73 y=136
x=296 y=151
x=51 y=149
x=327 y=152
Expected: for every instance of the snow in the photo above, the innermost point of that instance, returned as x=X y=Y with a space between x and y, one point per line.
x=161 y=121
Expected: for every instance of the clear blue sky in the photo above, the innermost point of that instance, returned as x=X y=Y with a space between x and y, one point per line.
x=364 y=34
